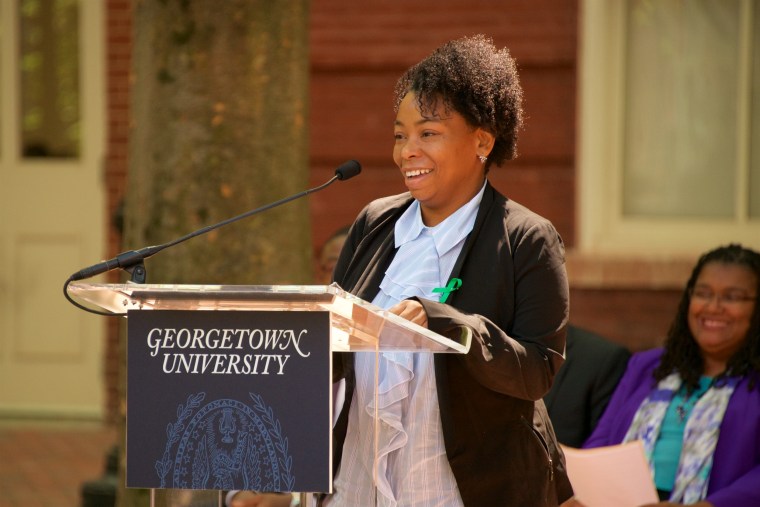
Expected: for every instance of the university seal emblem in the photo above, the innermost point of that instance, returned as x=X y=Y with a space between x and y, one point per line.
x=225 y=444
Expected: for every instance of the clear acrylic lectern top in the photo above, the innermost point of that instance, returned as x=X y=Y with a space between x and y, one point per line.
x=356 y=324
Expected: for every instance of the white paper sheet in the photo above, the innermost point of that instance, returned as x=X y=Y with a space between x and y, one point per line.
x=613 y=476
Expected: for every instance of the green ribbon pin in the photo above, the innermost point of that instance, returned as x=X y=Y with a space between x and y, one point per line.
x=453 y=285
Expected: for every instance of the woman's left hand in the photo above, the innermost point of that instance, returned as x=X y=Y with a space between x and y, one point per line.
x=411 y=310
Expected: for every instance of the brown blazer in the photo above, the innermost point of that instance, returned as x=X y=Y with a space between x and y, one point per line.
x=514 y=297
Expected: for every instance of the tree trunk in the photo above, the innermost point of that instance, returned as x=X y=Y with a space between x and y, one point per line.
x=219 y=111
x=219 y=108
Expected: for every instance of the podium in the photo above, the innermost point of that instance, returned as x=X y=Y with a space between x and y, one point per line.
x=230 y=387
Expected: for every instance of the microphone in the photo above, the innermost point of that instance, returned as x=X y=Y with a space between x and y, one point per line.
x=133 y=258
x=348 y=170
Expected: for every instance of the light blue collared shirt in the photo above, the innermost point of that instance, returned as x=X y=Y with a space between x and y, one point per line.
x=412 y=467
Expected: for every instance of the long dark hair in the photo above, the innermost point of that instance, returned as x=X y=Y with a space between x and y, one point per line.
x=681 y=349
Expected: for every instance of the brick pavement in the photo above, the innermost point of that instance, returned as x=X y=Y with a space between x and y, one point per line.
x=45 y=464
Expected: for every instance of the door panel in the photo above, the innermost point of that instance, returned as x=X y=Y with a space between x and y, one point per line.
x=51 y=223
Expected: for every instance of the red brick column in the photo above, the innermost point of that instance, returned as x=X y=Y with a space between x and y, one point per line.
x=118 y=69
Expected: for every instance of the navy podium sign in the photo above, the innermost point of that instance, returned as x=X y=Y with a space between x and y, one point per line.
x=229 y=400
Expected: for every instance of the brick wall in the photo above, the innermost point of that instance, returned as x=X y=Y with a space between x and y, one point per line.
x=359 y=49
x=118 y=67
x=638 y=319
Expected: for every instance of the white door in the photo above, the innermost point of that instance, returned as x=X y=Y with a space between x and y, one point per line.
x=52 y=209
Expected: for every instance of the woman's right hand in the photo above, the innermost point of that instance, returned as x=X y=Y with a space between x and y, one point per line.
x=411 y=310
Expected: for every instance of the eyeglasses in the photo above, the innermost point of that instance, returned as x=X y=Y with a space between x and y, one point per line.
x=706 y=296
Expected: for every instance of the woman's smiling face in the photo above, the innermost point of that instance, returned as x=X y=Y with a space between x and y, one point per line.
x=438 y=157
x=721 y=306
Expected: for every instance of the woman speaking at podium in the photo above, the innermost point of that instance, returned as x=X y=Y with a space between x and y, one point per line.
x=470 y=429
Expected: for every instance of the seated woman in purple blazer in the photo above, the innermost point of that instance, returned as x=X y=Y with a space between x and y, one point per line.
x=695 y=404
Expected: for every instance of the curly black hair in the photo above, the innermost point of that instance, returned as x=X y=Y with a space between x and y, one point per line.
x=476 y=80
x=681 y=350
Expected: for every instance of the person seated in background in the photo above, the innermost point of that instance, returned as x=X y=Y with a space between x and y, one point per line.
x=328 y=255
x=584 y=384
x=695 y=404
